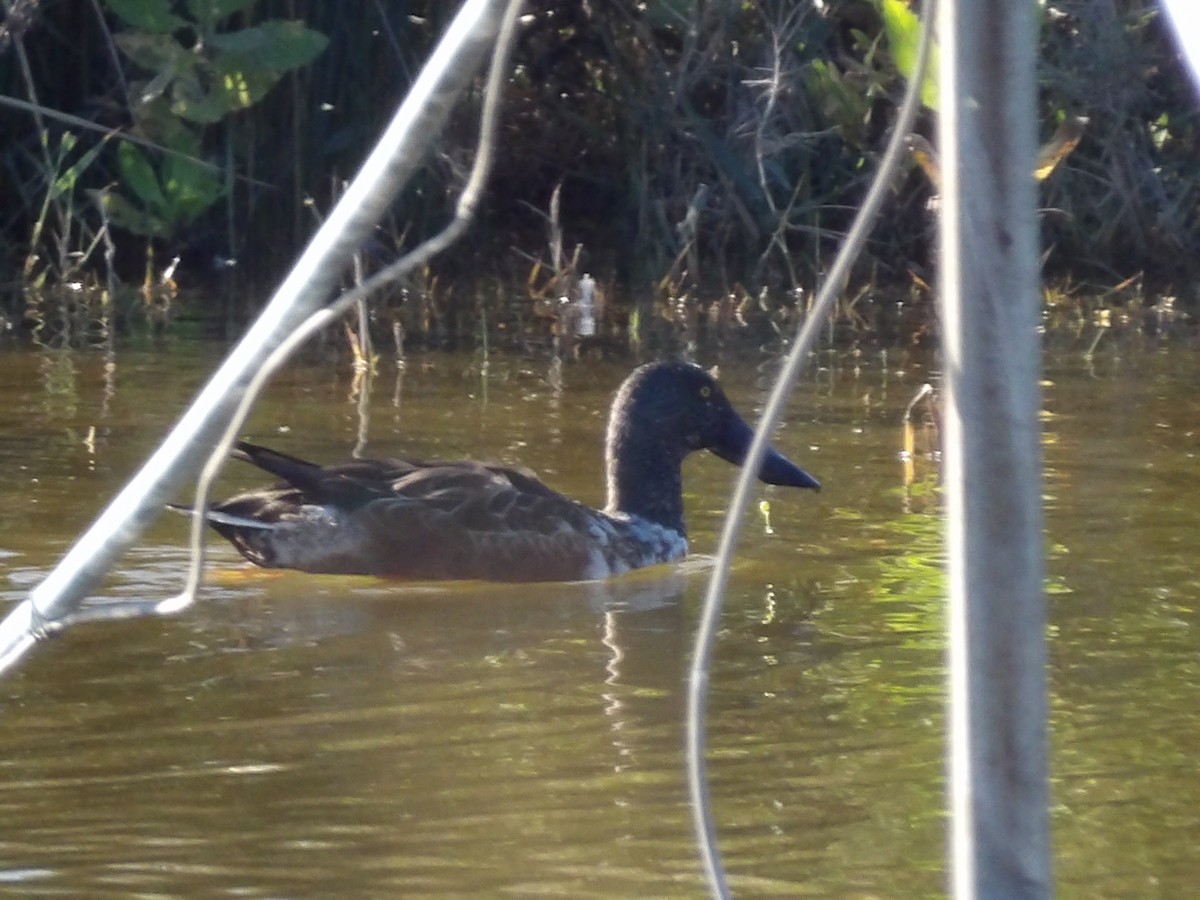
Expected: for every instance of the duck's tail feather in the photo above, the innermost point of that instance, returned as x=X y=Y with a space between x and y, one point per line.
x=299 y=473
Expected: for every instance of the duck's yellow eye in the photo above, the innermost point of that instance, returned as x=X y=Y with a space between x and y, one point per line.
x=706 y=392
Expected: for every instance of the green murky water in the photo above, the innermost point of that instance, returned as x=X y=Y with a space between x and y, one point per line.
x=297 y=736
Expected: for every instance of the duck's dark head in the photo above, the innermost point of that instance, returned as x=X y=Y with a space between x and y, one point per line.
x=663 y=412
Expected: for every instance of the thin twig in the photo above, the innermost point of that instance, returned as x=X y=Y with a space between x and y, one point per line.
x=468 y=39
x=463 y=214
x=38 y=112
x=701 y=801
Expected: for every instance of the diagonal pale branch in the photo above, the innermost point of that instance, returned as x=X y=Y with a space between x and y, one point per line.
x=302 y=294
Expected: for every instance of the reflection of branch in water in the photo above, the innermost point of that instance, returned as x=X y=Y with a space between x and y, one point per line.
x=628 y=604
x=612 y=698
x=360 y=392
x=397 y=392
x=554 y=418
x=1103 y=320
x=110 y=377
x=926 y=394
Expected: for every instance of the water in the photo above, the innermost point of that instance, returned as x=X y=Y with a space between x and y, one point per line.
x=295 y=735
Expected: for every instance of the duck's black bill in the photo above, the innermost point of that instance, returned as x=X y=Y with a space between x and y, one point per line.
x=734 y=443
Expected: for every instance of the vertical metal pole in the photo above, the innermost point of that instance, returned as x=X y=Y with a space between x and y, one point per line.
x=991 y=302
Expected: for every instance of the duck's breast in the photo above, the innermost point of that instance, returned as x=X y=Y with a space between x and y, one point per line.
x=621 y=543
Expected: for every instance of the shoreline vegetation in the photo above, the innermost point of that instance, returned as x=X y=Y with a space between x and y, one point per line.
x=699 y=160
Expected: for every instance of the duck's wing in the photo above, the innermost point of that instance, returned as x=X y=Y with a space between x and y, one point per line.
x=346 y=486
x=468 y=520
x=420 y=520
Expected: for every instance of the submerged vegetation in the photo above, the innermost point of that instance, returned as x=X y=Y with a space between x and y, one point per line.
x=700 y=160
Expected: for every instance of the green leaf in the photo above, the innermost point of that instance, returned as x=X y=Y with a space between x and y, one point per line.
x=903 y=30
x=244 y=67
x=842 y=99
x=157 y=121
x=225 y=89
x=123 y=214
x=148 y=15
x=277 y=46
x=139 y=176
x=65 y=183
x=243 y=84
x=191 y=188
x=199 y=97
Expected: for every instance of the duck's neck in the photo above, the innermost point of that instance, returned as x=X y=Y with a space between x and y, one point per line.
x=644 y=477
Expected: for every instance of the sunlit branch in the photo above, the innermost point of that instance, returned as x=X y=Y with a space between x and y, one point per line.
x=299 y=303
x=702 y=814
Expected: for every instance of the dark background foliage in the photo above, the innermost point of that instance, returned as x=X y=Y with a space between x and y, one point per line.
x=694 y=147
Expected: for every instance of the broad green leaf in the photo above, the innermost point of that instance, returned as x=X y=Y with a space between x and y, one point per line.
x=125 y=215
x=148 y=15
x=139 y=176
x=191 y=188
x=243 y=84
x=156 y=120
x=244 y=87
x=205 y=109
x=203 y=98
x=278 y=46
x=904 y=36
x=245 y=65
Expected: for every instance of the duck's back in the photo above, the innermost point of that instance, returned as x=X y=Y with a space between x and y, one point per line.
x=431 y=521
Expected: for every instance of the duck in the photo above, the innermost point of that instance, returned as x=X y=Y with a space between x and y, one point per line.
x=415 y=520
